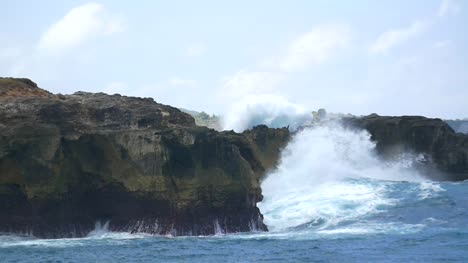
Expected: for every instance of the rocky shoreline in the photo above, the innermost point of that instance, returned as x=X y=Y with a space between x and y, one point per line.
x=67 y=161
x=443 y=153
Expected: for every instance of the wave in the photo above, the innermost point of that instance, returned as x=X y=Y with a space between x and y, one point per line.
x=100 y=233
x=271 y=110
x=330 y=180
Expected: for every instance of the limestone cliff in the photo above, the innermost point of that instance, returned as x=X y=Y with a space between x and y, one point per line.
x=444 y=152
x=67 y=161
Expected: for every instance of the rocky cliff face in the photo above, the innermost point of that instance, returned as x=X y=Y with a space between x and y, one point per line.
x=458 y=125
x=444 y=152
x=67 y=161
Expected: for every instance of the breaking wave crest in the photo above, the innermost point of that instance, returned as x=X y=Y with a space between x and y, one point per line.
x=330 y=181
x=271 y=110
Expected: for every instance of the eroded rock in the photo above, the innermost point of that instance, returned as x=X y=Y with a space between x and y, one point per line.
x=67 y=161
x=440 y=146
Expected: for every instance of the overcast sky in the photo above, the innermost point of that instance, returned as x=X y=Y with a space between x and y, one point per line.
x=389 y=57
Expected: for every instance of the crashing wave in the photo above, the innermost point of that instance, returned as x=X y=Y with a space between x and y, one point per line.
x=271 y=110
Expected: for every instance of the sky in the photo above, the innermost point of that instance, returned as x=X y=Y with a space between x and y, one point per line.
x=391 y=57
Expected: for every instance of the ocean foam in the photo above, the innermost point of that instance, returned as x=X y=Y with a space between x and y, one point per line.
x=330 y=177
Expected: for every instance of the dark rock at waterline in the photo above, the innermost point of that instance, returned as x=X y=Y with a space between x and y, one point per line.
x=444 y=152
x=67 y=161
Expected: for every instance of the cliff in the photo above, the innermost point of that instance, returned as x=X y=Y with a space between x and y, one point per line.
x=67 y=161
x=444 y=152
x=458 y=125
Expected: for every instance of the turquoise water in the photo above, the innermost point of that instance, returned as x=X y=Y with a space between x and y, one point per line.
x=422 y=222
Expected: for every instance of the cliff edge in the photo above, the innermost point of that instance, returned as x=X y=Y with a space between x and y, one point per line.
x=444 y=152
x=67 y=161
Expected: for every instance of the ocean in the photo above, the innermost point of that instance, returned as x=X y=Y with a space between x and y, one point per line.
x=331 y=199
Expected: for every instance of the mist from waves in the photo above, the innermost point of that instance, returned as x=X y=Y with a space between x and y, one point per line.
x=331 y=199
x=329 y=179
x=271 y=110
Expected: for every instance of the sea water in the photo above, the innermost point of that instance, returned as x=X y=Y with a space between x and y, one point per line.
x=330 y=199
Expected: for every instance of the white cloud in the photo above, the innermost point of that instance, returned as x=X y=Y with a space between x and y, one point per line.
x=395 y=37
x=392 y=38
x=448 y=7
x=429 y=82
x=61 y=44
x=195 y=50
x=77 y=26
x=311 y=48
x=315 y=47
